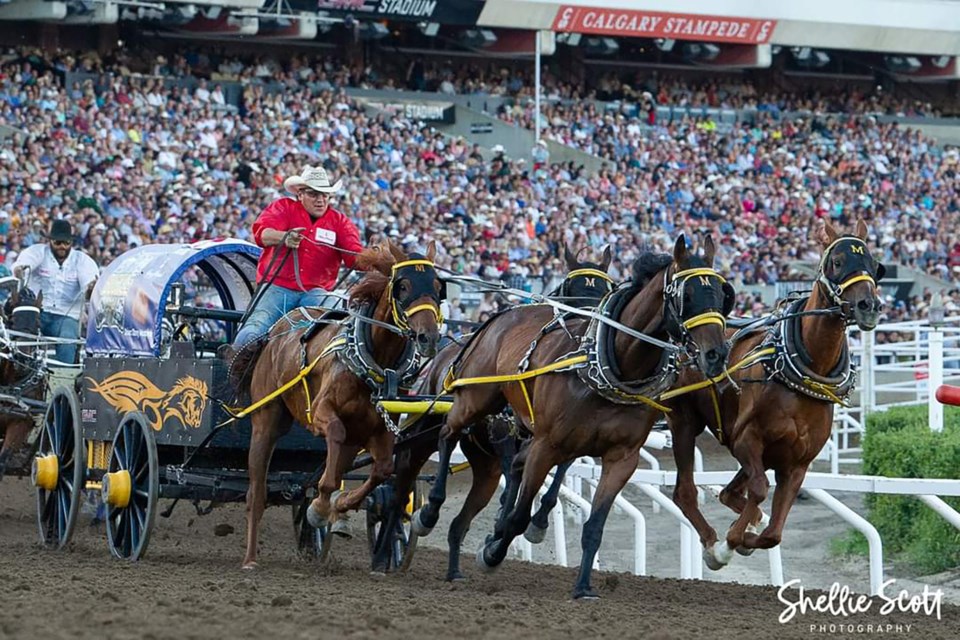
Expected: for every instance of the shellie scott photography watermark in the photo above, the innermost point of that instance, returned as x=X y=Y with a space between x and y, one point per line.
x=857 y=613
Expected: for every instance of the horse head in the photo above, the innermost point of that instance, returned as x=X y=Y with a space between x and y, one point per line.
x=586 y=283
x=848 y=275
x=697 y=301
x=413 y=291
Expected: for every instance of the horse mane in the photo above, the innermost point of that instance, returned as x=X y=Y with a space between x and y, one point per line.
x=370 y=288
x=376 y=261
x=648 y=265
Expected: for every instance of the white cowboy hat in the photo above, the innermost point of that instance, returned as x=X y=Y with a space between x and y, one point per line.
x=315 y=178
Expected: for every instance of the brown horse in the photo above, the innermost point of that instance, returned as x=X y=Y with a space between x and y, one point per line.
x=401 y=295
x=19 y=368
x=783 y=423
x=489 y=453
x=592 y=410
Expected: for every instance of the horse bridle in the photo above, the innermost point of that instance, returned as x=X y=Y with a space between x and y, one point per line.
x=863 y=270
x=673 y=290
x=587 y=272
x=401 y=312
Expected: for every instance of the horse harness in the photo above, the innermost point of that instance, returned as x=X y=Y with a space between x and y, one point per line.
x=595 y=359
x=782 y=352
x=352 y=346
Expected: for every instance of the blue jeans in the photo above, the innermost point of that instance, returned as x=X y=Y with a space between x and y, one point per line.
x=274 y=304
x=55 y=325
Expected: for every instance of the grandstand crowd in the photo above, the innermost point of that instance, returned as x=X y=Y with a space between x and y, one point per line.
x=130 y=159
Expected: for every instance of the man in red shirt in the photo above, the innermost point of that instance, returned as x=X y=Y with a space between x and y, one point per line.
x=315 y=231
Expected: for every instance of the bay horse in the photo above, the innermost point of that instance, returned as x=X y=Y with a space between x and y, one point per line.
x=778 y=412
x=605 y=409
x=19 y=367
x=490 y=448
x=400 y=295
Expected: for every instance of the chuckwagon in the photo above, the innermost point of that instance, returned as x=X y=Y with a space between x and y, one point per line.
x=146 y=418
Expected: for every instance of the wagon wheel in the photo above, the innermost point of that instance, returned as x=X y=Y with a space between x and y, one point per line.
x=309 y=540
x=58 y=469
x=403 y=541
x=130 y=487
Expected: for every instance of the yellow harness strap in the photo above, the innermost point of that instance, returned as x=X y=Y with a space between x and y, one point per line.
x=286 y=387
x=716 y=413
x=710 y=317
x=696 y=386
x=860 y=278
x=450 y=383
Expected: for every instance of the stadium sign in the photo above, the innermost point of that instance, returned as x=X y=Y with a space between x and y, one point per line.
x=444 y=112
x=462 y=12
x=656 y=24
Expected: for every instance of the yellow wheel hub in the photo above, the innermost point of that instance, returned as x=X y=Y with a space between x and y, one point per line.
x=45 y=471
x=115 y=489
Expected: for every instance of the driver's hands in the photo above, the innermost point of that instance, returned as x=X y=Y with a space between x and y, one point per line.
x=294 y=237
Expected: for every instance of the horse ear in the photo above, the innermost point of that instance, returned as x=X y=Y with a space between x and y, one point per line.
x=861 y=229
x=432 y=250
x=709 y=250
x=680 y=250
x=606 y=259
x=570 y=259
x=831 y=233
x=39 y=301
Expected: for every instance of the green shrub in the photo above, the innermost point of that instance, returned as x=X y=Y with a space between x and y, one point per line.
x=899 y=444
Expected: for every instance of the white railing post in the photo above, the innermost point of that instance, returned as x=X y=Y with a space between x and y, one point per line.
x=859 y=523
x=866 y=394
x=935 y=379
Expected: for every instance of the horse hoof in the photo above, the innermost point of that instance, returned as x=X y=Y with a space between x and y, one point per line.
x=417 y=525
x=482 y=562
x=456 y=577
x=535 y=534
x=341 y=528
x=249 y=566
x=314 y=519
x=717 y=556
x=586 y=595
x=745 y=551
x=378 y=574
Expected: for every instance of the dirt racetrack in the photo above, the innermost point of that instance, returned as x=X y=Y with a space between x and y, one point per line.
x=190 y=585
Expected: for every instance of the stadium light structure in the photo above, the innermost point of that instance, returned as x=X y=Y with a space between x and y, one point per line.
x=697 y=51
x=478 y=38
x=281 y=9
x=903 y=64
x=665 y=44
x=601 y=46
x=429 y=29
x=809 y=57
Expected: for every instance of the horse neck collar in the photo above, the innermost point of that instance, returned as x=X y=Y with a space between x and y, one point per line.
x=793 y=364
x=357 y=354
x=602 y=371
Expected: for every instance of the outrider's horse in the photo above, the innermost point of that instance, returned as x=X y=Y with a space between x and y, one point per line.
x=19 y=368
x=778 y=412
x=400 y=297
x=591 y=391
x=491 y=446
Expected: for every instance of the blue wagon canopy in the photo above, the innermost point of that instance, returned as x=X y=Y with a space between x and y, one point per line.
x=126 y=309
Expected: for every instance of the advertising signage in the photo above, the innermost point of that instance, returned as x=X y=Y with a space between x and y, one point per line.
x=455 y=12
x=657 y=24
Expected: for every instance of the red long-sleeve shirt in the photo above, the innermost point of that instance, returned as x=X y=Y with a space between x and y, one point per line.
x=319 y=263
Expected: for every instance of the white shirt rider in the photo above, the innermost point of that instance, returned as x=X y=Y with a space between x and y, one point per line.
x=63 y=285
